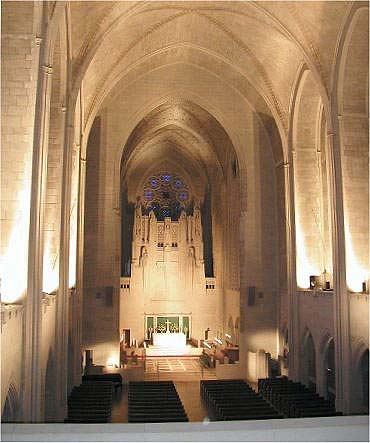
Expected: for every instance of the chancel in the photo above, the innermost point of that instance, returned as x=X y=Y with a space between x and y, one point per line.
x=185 y=216
x=167 y=259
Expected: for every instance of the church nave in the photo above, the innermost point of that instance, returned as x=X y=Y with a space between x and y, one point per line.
x=188 y=392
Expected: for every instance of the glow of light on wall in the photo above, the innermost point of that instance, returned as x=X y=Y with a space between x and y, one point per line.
x=50 y=271
x=15 y=259
x=304 y=267
x=355 y=273
x=112 y=361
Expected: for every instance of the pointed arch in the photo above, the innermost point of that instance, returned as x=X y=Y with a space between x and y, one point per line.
x=11 y=412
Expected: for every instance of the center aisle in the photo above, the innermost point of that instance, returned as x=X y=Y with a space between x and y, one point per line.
x=189 y=393
x=186 y=374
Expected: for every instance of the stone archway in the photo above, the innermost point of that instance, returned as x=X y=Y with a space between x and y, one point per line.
x=364 y=377
x=329 y=368
x=11 y=407
x=308 y=361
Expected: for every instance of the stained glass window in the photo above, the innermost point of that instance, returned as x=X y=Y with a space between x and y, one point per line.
x=148 y=194
x=183 y=195
x=165 y=194
x=154 y=182
x=166 y=177
x=166 y=212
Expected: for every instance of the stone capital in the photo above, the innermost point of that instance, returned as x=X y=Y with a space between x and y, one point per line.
x=48 y=70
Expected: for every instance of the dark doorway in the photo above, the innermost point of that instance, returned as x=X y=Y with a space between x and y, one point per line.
x=50 y=402
x=330 y=371
x=364 y=368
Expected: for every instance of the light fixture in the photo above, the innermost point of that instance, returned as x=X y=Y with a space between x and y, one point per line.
x=217 y=340
x=314 y=281
x=207 y=345
x=227 y=335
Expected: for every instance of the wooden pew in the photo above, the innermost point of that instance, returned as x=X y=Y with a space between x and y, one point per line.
x=150 y=402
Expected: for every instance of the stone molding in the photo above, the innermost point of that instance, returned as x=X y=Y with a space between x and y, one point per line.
x=47 y=300
x=10 y=311
x=47 y=69
x=315 y=293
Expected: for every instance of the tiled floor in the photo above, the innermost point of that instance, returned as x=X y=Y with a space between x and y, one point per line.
x=172 y=365
x=176 y=369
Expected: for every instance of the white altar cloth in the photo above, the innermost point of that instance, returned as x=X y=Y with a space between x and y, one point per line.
x=169 y=340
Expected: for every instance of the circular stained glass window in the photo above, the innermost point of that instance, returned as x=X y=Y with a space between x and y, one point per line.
x=166 y=177
x=178 y=183
x=183 y=195
x=154 y=182
x=148 y=194
x=166 y=195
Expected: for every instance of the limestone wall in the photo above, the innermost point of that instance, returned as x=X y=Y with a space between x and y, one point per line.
x=259 y=234
x=18 y=86
x=101 y=254
x=354 y=133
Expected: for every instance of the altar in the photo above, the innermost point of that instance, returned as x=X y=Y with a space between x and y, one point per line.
x=169 y=340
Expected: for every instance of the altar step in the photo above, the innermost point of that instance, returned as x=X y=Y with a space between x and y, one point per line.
x=180 y=376
x=160 y=351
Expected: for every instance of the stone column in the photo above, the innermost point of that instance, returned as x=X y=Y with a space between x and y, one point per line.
x=293 y=301
x=79 y=274
x=341 y=302
x=323 y=261
x=32 y=327
x=62 y=319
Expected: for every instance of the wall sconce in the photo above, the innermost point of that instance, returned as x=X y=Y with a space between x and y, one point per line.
x=227 y=335
x=217 y=340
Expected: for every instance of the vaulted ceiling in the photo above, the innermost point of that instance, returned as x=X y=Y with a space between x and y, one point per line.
x=220 y=56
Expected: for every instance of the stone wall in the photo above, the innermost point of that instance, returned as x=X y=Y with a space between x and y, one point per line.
x=19 y=77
